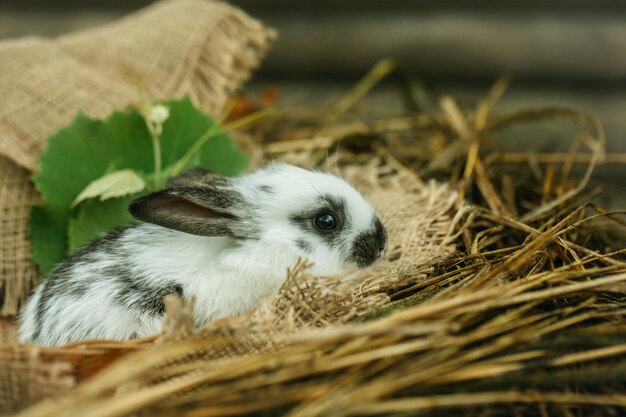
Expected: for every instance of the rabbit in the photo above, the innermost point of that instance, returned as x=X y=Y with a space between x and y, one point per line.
x=227 y=241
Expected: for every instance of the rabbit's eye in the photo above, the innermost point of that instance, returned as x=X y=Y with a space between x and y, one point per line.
x=325 y=221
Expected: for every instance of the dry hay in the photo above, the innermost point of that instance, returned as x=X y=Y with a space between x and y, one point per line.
x=525 y=318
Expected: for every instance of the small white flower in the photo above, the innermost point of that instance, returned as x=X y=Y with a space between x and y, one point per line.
x=159 y=114
x=155 y=115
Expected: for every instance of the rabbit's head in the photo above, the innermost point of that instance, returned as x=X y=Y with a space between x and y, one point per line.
x=283 y=208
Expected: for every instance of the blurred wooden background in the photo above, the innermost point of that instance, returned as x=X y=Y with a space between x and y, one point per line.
x=567 y=52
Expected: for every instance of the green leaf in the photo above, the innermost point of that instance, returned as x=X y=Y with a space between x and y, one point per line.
x=96 y=217
x=79 y=157
x=220 y=154
x=48 y=236
x=185 y=125
x=115 y=184
x=127 y=141
x=69 y=162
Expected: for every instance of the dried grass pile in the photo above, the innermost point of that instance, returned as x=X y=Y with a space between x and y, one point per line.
x=511 y=306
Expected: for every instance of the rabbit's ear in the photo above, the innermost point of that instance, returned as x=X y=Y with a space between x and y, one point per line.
x=203 y=210
x=196 y=175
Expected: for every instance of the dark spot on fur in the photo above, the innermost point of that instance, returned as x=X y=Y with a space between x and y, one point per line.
x=136 y=294
x=266 y=189
x=197 y=175
x=78 y=289
x=42 y=306
x=369 y=245
x=304 y=246
x=61 y=282
x=326 y=204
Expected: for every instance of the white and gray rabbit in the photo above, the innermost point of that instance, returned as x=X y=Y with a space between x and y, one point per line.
x=227 y=241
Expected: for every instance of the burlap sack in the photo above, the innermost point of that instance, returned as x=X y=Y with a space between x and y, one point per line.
x=204 y=49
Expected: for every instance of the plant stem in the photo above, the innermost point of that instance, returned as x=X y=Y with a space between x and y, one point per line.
x=214 y=131
x=156 y=150
x=209 y=134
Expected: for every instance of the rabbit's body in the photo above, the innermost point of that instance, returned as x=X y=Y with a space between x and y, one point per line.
x=226 y=242
x=125 y=298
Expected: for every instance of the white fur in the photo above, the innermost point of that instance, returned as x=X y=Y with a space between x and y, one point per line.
x=226 y=276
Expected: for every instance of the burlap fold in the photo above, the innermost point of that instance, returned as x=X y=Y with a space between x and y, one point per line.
x=204 y=49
